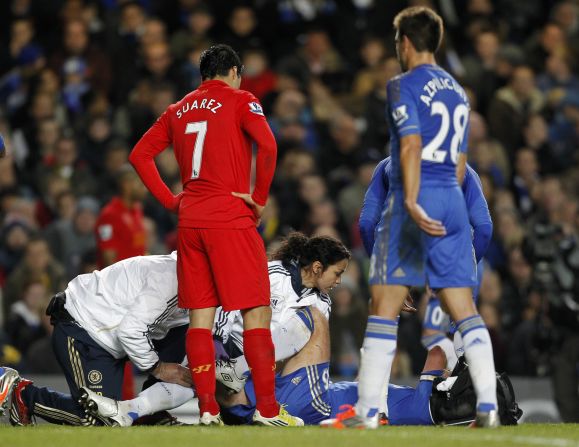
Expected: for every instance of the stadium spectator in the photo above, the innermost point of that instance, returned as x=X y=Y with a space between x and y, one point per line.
x=317 y=58
x=14 y=238
x=120 y=232
x=95 y=140
x=539 y=47
x=38 y=263
x=258 y=78
x=242 y=33
x=536 y=137
x=122 y=43
x=291 y=121
x=526 y=179
x=72 y=237
x=21 y=34
x=198 y=33
x=24 y=322
x=159 y=66
x=376 y=133
x=372 y=53
x=511 y=106
x=78 y=49
x=351 y=198
x=340 y=151
x=67 y=166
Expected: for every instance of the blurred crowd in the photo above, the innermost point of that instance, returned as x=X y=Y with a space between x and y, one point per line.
x=82 y=80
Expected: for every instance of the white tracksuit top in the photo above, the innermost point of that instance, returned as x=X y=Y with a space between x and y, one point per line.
x=285 y=301
x=126 y=305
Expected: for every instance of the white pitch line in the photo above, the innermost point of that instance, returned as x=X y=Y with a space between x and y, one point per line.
x=528 y=440
x=558 y=442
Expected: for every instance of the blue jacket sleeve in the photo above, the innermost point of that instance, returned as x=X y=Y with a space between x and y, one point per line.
x=478 y=213
x=374 y=201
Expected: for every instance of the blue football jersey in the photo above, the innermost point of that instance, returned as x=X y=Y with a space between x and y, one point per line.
x=428 y=101
x=375 y=202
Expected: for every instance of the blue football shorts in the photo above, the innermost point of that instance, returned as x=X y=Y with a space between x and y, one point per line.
x=405 y=255
x=305 y=393
x=406 y=405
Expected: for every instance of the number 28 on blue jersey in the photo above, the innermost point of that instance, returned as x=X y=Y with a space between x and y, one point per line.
x=428 y=101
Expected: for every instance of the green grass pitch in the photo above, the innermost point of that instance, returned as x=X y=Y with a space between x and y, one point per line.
x=552 y=435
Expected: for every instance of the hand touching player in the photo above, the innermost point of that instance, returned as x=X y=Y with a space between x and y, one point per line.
x=425 y=223
x=408 y=305
x=173 y=373
x=257 y=209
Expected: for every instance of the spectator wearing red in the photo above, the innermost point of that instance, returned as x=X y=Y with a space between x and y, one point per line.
x=258 y=78
x=120 y=230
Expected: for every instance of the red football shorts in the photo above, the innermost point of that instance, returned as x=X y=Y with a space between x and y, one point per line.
x=218 y=266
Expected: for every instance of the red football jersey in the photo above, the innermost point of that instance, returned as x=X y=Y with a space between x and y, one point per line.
x=121 y=229
x=211 y=131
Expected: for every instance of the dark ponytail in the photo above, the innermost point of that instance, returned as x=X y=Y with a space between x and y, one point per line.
x=299 y=248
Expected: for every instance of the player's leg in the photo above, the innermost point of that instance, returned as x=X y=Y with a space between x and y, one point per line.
x=434 y=330
x=379 y=348
x=198 y=294
x=201 y=357
x=151 y=405
x=412 y=406
x=477 y=349
x=451 y=268
x=239 y=265
x=159 y=397
x=84 y=363
x=408 y=406
x=260 y=354
x=453 y=329
x=397 y=262
x=458 y=343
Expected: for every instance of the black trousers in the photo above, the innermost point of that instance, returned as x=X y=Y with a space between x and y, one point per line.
x=85 y=363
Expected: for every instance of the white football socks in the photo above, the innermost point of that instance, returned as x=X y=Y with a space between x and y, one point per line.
x=458 y=344
x=377 y=357
x=479 y=356
x=158 y=397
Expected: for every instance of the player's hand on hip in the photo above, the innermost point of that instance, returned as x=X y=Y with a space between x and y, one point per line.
x=176 y=203
x=257 y=209
x=173 y=373
x=425 y=223
x=408 y=305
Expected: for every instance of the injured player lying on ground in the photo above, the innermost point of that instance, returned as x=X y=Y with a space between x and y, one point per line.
x=304 y=387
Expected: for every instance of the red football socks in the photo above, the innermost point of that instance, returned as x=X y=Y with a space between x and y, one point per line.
x=128 y=390
x=260 y=355
x=201 y=356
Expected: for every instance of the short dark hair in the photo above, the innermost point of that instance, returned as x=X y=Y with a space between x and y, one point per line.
x=422 y=26
x=218 y=60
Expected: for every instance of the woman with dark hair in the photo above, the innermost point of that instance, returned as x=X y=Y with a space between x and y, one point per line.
x=320 y=260
x=302 y=270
